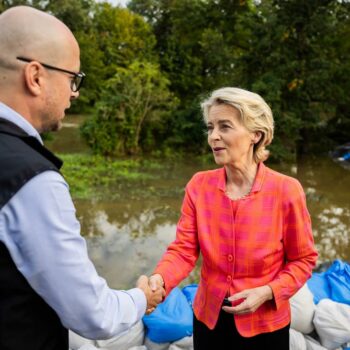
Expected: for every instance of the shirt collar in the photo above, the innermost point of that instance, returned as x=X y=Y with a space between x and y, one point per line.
x=258 y=181
x=12 y=116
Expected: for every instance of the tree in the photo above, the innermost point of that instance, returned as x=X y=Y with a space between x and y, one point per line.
x=135 y=93
x=198 y=43
x=293 y=63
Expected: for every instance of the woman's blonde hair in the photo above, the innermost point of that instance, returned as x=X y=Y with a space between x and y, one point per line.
x=255 y=114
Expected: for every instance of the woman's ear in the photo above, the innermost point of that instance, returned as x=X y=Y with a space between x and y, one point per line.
x=256 y=137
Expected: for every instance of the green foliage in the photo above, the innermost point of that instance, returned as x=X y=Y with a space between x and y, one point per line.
x=199 y=43
x=99 y=173
x=136 y=93
x=292 y=63
x=149 y=65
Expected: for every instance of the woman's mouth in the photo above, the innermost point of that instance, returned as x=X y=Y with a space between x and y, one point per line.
x=218 y=149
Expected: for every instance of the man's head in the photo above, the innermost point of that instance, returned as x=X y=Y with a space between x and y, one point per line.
x=33 y=44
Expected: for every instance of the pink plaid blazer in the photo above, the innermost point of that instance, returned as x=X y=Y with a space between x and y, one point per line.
x=268 y=241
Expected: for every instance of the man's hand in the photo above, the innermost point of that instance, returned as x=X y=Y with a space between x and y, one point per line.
x=154 y=297
x=248 y=300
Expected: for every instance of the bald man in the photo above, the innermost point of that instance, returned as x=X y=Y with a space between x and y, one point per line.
x=47 y=282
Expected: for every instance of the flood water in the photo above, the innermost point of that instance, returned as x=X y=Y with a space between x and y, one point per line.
x=127 y=235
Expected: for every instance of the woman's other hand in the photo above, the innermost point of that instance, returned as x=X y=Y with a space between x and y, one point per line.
x=248 y=300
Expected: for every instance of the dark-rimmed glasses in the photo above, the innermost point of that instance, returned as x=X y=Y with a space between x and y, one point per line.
x=77 y=81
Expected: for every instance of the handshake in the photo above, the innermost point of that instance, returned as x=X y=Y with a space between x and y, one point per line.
x=153 y=287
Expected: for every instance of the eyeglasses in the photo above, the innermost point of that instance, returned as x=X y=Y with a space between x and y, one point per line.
x=78 y=77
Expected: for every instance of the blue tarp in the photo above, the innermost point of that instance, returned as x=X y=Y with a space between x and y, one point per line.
x=172 y=320
x=332 y=284
x=190 y=292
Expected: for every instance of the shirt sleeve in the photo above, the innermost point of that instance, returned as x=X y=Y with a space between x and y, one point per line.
x=182 y=254
x=299 y=249
x=42 y=234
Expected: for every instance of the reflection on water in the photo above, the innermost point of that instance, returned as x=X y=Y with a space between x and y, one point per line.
x=327 y=185
x=127 y=235
x=120 y=254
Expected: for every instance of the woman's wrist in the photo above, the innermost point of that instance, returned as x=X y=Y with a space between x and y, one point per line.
x=269 y=292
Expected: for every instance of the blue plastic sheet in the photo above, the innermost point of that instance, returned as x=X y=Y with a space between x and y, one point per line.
x=338 y=276
x=319 y=287
x=190 y=292
x=172 y=319
x=333 y=284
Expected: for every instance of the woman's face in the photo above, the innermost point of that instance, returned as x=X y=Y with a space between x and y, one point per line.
x=230 y=141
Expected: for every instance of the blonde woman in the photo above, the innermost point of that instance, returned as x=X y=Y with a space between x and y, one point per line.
x=250 y=224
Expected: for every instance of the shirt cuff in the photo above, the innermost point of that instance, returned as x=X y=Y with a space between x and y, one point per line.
x=277 y=299
x=140 y=301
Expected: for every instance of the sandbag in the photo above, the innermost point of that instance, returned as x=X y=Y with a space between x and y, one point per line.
x=88 y=347
x=303 y=310
x=296 y=340
x=338 y=276
x=171 y=320
x=313 y=344
x=319 y=287
x=76 y=341
x=133 y=337
x=142 y=347
x=332 y=284
x=332 y=323
x=156 y=346
x=190 y=292
x=182 y=344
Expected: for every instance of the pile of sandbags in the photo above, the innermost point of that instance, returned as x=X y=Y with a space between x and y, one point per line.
x=321 y=311
x=320 y=319
x=318 y=327
x=130 y=340
x=169 y=327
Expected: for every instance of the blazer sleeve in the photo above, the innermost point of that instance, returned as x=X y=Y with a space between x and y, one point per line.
x=182 y=254
x=299 y=249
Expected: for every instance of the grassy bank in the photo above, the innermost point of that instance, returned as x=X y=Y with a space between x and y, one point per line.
x=93 y=176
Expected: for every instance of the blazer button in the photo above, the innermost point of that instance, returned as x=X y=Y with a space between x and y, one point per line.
x=229 y=278
x=230 y=257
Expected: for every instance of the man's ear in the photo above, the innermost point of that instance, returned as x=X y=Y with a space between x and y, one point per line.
x=257 y=137
x=33 y=78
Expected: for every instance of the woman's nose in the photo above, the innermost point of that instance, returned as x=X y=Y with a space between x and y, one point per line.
x=214 y=134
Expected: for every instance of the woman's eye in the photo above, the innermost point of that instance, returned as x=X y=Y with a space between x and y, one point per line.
x=225 y=126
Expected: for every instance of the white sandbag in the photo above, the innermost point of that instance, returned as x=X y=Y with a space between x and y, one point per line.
x=142 y=347
x=185 y=343
x=76 y=341
x=303 y=310
x=313 y=344
x=296 y=340
x=332 y=323
x=133 y=337
x=155 y=346
x=88 y=347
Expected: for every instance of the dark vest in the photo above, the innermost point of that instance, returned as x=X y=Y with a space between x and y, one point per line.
x=26 y=320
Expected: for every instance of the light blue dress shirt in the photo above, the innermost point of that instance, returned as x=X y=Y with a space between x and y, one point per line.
x=40 y=229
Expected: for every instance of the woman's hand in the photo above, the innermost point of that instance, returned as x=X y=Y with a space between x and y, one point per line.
x=156 y=283
x=248 y=300
x=154 y=297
